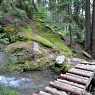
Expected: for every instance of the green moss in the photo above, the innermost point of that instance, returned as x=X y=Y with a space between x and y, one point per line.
x=29 y=66
x=18 y=46
x=48 y=39
x=61 y=68
x=9 y=29
x=10 y=68
x=43 y=41
x=7 y=91
x=25 y=66
x=57 y=42
x=40 y=64
x=28 y=28
x=25 y=33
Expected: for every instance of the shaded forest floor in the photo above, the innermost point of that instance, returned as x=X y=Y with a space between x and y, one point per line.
x=35 y=47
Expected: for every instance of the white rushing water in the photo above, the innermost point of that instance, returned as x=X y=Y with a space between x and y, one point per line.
x=15 y=82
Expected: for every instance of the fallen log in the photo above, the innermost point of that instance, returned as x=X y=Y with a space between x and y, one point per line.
x=81 y=72
x=75 y=78
x=34 y=94
x=44 y=93
x=86 y=67
x=72 y=83
x=90 y=63
x=86 y=54
x=68 y=88
x=54 y=91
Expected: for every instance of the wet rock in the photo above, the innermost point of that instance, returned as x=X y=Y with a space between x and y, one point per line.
x=60 y=59
x=35 y=48
x=36 y=51
x=3 y=58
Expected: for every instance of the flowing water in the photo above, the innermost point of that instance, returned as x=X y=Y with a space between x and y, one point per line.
x=26 y=83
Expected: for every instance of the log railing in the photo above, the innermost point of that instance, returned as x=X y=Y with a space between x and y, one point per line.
x=74 y=82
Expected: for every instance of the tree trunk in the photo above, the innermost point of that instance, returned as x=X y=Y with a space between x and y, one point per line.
x=34 y=6
x=70 y=35
x=88 y=25
x=93 y=30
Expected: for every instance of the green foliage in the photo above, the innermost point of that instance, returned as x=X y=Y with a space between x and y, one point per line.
x=29 y=66
x=61 y=68
x=3 y=38
x=4 y=41
x=56 y=14
x=10 y=33
x=41 y=15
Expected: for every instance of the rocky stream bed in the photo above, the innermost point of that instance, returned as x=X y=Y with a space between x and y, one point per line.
x=25 y=83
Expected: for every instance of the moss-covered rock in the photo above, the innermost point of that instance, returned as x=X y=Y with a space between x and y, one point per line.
x=42 y=41
x=49 y=40
x=11 y=48
x=50 y=46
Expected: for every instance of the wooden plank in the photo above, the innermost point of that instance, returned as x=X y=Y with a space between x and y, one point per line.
x=75 y=78
x=87 y=93
x=72 y=83
x=81 y=72
x=68 y=88
x=44 y=93
x=90 y=63
x=35 y=94
x=54 y=91
x=86 y=67
x=88 y=80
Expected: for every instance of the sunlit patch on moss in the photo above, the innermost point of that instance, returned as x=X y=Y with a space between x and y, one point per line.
x=18 y=45
x=10 y=29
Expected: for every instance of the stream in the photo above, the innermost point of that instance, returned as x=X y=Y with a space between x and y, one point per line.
x=28 y=82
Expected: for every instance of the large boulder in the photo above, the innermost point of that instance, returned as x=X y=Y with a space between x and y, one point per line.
x=11 y=48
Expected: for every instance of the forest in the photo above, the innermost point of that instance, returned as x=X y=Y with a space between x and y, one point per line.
x=39 y=39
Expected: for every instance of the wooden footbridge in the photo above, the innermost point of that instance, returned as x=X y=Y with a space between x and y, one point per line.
x=75 y=82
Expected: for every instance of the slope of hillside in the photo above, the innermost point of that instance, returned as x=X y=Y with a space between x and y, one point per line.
x=20 y=50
